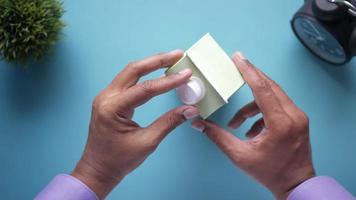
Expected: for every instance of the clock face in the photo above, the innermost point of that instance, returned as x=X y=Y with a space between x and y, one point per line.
x=319 y=40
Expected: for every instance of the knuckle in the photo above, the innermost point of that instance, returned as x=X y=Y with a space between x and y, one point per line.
x=133 y=68
x=302 y=121
x=150 y=143
x=261 y=86
x=284 y=126
x=231 y=149
x=212 y=134
x=173 y=119
x=161 y=59
x=148 y=86
x=275 y=85
x=149 y=146
x=97 y=103
x=101 y=107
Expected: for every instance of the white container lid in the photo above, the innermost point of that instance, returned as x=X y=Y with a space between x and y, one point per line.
x=192 y=92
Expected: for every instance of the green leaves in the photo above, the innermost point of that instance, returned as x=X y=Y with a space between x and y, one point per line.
x=29 y=28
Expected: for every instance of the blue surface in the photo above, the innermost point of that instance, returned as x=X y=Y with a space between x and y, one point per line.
x=45 y=110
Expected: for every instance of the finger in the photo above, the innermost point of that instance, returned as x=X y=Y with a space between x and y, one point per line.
x=226 y=141
x=142 y=92
x=169 y=121
x=287 y=103
x=243 y=114
x=135 y=70
x=256 y=128
x=265 y=98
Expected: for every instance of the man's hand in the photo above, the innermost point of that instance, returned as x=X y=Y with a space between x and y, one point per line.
x=117 y=145
x=278 y=152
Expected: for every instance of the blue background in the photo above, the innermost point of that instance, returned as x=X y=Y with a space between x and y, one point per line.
x=45 y=110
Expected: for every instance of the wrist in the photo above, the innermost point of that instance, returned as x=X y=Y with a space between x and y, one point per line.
x=97 y=180
x=307 y=174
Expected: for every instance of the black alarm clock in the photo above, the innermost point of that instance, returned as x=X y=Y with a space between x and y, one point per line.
x=328 y=29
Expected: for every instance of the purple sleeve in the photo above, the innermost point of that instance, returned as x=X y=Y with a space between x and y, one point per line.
x=66 y=187
x=320 y=187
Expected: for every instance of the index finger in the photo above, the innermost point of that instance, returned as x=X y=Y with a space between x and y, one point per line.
x=287 y=103
x=130 y=75
x=142 y=92
x=265 y=97
x=231 y=145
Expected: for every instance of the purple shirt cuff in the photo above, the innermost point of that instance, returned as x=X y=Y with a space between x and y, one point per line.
x=320 y=187
x=66 y=187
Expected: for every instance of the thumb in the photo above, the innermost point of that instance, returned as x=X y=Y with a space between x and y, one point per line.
x=227 y=142
x=170 y=120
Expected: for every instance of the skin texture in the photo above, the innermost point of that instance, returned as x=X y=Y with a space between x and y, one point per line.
x=277 y=153
x=116 y=144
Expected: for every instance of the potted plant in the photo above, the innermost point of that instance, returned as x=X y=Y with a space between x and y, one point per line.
x=29 y=29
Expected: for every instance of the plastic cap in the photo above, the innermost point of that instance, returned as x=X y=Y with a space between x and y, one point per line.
x=191 y=92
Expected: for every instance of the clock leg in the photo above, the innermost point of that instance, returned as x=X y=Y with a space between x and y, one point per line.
x=353 y=42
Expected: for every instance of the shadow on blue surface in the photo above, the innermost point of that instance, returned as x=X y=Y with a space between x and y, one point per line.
x=345 y=75
x=27 y=89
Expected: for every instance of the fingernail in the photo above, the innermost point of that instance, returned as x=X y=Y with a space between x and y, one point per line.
x=241 y=56
x=198 y=126
x=190 y=113
x=185 y=71
x=176 y=51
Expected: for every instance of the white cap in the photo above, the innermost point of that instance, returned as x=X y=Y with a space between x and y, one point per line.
x=191 y=92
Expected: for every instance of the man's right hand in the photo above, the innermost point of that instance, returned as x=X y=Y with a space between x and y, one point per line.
x=278 y=152
x=117 y=144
